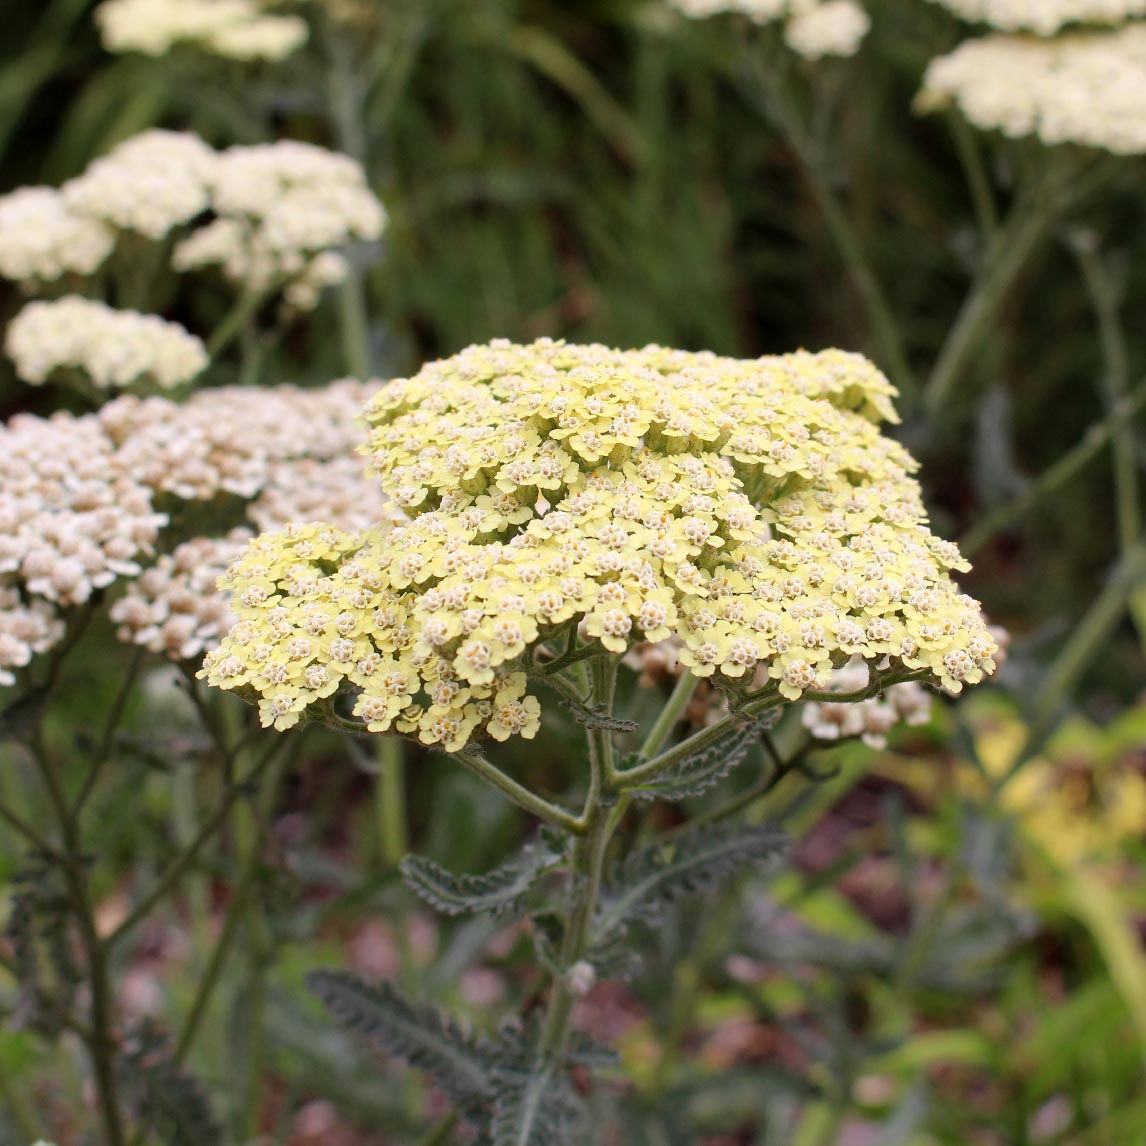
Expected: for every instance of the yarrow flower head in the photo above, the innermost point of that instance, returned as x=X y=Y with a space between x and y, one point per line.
x=233 y=29
x=750 y=508
x=280 y=209
x=42 y=239
x=813 y=29
x=1087 y=88
x=1044 y=17
x=110 y=348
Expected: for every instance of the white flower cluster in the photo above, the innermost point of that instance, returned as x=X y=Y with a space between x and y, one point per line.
x=1044 y=17
x=78 y=502
x=1086 y=88
x=813 y=29
x=174 y=608
x=73 y=517
x=42 y=238
x=111 y=348
x=233 y=29
x=871 y=720
x=280 y=208
x=149 y=184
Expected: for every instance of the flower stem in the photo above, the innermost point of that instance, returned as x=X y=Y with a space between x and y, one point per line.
x=519 y=794
x=677 y=702
x=390 y=801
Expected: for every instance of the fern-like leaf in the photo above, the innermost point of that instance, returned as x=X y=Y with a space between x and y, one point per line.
x=703 y=769
x=163 y=1097
x=533 y=1109
x=499 y=891
x=420 y=1035
x=650 y=879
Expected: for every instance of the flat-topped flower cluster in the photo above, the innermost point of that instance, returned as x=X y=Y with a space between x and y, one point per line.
x=232 y=29
x=1086 y=87
x=812 y=28
x=751 y=508
x=1045 y=17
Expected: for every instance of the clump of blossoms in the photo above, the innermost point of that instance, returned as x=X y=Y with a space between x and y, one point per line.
x=1044 y=17
x=110 y=348
x=1086 y=88
x=150 y=184
x=232 y=29
x=42 y=238
x=753 y=509
x=280 y=209
x=813 y=28
x=83 y=501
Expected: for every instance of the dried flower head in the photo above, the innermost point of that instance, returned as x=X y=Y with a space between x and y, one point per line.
x=280 y=209
x=752 y=508
x=814 y=28
x=233 y=29
x=110 y=348
x=149 y=184
x=1044 y=17
x=42 y=239
x=1087 y=88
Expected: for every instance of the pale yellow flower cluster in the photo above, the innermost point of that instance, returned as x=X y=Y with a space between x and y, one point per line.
x=42 y=239
x=1085 y=88
x=813 y=28
x=233 y=29
x=79 y=498
x=1044 y=17
x=752 y=508
x=280 y=209
x=110 y=348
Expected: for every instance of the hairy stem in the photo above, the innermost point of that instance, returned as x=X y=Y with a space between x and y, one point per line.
x=518 y=793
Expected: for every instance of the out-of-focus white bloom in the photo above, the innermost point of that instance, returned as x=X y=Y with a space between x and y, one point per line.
x=1044 y=17
x=834 y=28
x=871 y=720
x=1087 y=88
x=281 y=207
x=235 y=29
x=150 y=184
x=113 y=348
x=814 y=28
x=42 y=239
x=760 y=11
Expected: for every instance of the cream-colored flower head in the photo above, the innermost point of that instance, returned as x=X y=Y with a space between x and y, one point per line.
x=752 y=508
x=280 y=209
x=1044 y=17
x=42 y=239
x=1086 y=88
x=832 y=28
x=150 y=184
x=234 y=29
x=111 y=348
x=813 y=29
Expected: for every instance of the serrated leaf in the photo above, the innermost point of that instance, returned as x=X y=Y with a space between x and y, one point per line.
x=703 y=769
x=590 y=715
x=533 y=1109
x=419 y=1035
x=497 y=891
x=650 y=879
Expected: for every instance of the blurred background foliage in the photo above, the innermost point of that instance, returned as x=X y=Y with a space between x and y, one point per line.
x=949 y=959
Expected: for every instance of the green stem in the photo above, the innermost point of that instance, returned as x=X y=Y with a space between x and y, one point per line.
x=982 y=197
x=234 y=323
x=1057 y=475
x=438 y=1134
x=520 y=795
x=1104 y=299
x=670 y=715
x=390 y=801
